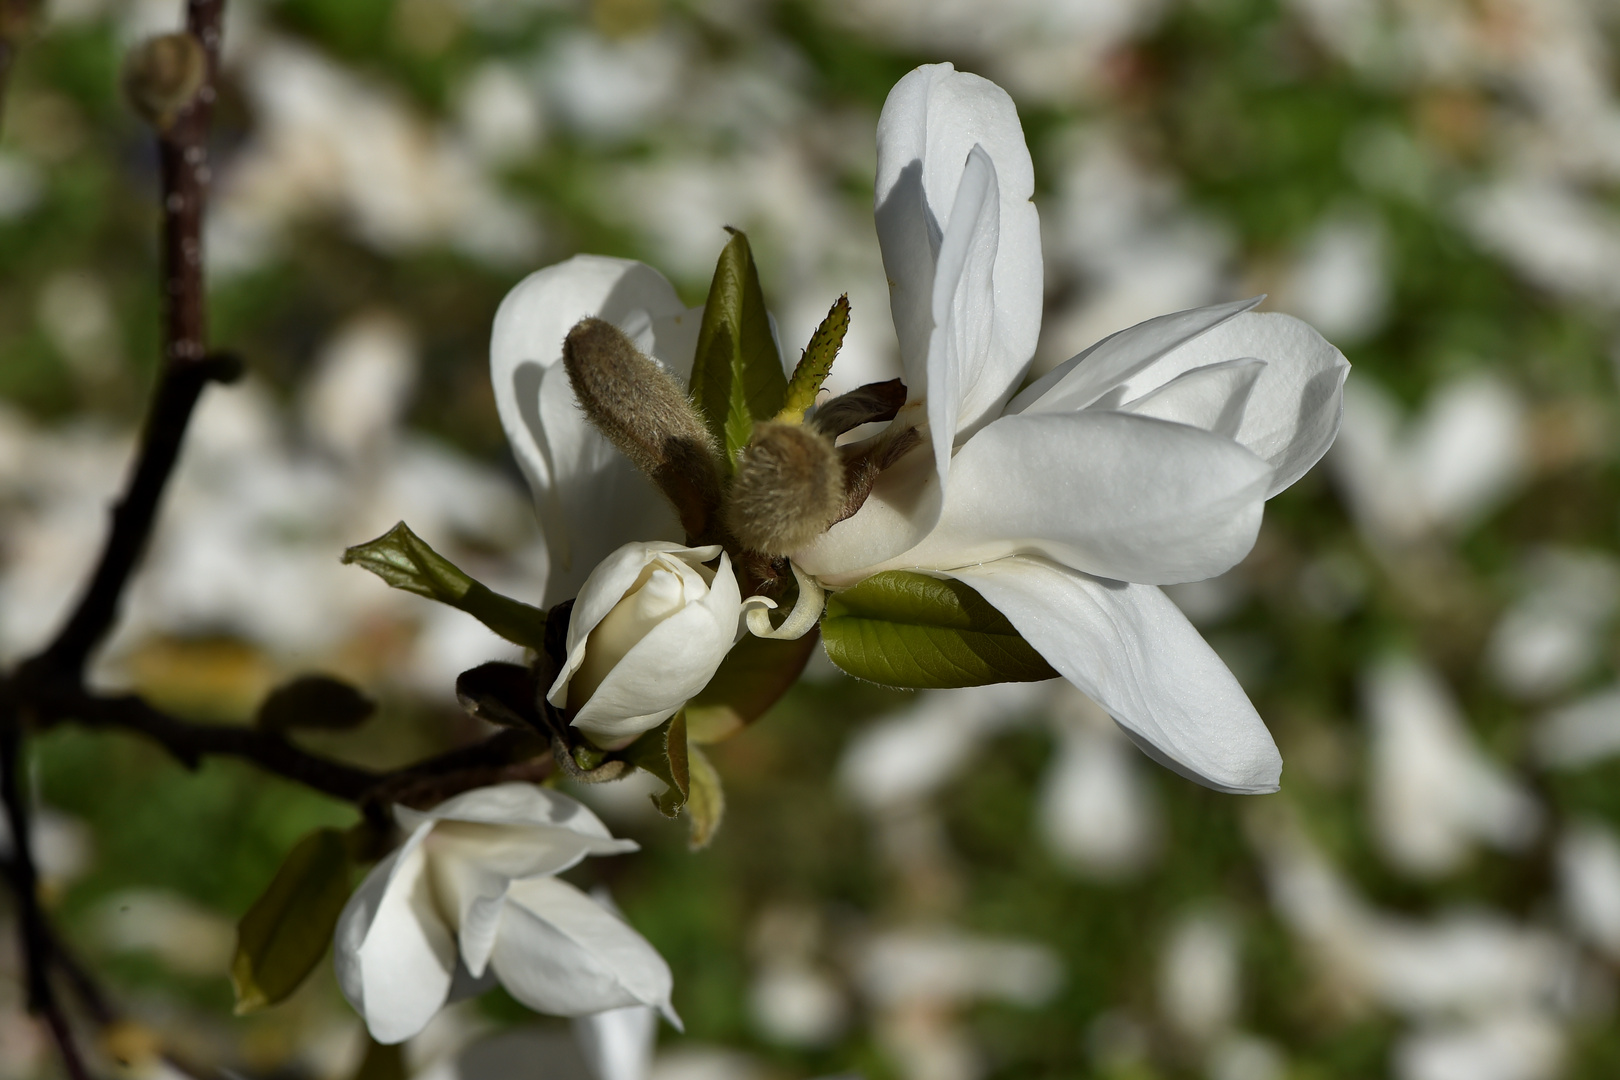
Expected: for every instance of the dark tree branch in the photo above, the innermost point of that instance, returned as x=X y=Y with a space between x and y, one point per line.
x=187 y=365
x=15 y=16
x=23 y=877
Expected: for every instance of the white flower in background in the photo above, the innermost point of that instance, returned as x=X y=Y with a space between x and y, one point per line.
x=1589 y=879
x=1465 y=453
x=472 y=892
x=1144 y=461
x=1199 y=990
x=1095 y=809
x=1553 y=634
x=1511 y=1045
x=1433 y=791
x=649 y=628
x=1581 y=733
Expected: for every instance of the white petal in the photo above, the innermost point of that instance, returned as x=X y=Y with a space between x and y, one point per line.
x=903 y=506
x=394 y=956
x=964 y=334
x=1082 y=379
x=561 y=952
x=675 y=660
x=931 y=121
x=1293 y=411
x=589 y=497
x=1133 y=652
x=1115 y=495
x=1213 y=397
x=602 y=591
x=519 y=804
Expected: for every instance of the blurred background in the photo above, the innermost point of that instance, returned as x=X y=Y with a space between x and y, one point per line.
x=944 y=886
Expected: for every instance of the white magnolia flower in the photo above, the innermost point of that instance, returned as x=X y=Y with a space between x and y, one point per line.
x=649 y=628
x=1143 y=461
x=472 y=892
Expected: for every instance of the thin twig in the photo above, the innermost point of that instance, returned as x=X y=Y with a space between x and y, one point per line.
x=23 y=877
x=187 y=365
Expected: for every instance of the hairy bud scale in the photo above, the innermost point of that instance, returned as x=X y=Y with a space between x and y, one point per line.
x=788 y=489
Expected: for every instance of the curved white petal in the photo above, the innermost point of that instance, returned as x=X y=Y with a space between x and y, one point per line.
x=1133 y=652
x=515 y=803
x=561 y=952
x=1293 y=411
x=1213 y=397
x=601 y=592
x=930 y=123
x=1086 y=377
x=675 y=660
x=395 y=958
x=897 y=515
x=964 y=310
x=590 y=499
x=1115 y=495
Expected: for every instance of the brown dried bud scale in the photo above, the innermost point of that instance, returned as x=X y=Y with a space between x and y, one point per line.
x=788 y=489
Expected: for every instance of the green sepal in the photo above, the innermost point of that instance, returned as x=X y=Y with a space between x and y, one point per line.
x=706 y=802
x=816 y=363
x=405 y=561
x=663 y=752
x=736 y=372
x=286 y=931
x=909 y=630
x=753 y=677
x=314 y=702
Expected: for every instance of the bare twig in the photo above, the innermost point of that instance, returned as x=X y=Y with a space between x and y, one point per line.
x=23 y=878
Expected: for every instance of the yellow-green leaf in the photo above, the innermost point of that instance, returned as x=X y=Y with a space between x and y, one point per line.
x=405 y=561
x=286 y=931
x=737 y=371
x=816 y=363
x=706 y=803
x=910 y=630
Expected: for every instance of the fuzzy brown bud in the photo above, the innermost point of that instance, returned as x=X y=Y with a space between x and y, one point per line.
x=643 y=411
x=162 y=75
x=788 y=489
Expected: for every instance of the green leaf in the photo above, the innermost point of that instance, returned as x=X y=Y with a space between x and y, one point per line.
x=663 y=752
x=737 y=372
x=382 y=1062
x=752 y=678
x=816 y=363
x=314 y=701
x=909 y=630
x=405 y=561
x=706 y=804
x=286 y=931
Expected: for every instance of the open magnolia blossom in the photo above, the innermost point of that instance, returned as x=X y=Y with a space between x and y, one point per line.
x=1144 y=461
x=649 y=628
x=472 y=896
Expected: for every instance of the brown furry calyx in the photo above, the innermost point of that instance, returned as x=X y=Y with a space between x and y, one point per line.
x=788 y=489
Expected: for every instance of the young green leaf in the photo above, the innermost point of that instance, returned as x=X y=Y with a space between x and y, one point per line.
x=909 y=630
x=816 y=363
x=663 y=752
x=286 y=931
x=405 y=561
x=314 y=701
x=737 y=372
x=753 y=677
x=706 y=804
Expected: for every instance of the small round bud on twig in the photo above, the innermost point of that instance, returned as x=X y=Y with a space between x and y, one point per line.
x=162 y=75
x=788 y=489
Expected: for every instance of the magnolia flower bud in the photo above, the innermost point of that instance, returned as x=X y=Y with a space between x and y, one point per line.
x=162 y=75
x=788 y=489
x=649 y=628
